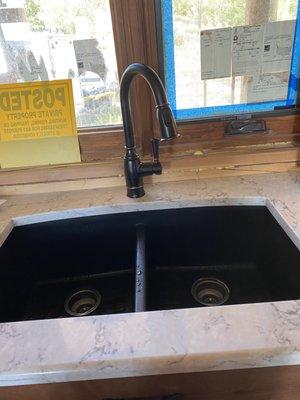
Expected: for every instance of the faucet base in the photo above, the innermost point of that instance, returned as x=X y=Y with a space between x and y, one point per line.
x=135 y=192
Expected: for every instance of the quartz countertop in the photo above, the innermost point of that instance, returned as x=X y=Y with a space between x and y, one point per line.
x=159 y=342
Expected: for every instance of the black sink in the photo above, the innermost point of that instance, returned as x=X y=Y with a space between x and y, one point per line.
x=150 y=260
x=45 y=263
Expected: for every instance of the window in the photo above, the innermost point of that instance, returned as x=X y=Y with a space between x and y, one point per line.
x=29 y=27
x=226 y=57
x=45 y=40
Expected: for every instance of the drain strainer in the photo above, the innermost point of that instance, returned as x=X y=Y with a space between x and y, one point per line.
x=82 y=302
x=210 y=292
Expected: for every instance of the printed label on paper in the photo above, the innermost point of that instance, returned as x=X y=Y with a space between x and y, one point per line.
x=278 y=46
x=216 y=48
x=247 y=50
x=268 y=87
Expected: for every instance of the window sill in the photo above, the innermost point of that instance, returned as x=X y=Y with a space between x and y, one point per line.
x=107 y=143
x=200 y=164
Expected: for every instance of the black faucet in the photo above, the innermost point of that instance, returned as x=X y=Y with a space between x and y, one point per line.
x=134 y=169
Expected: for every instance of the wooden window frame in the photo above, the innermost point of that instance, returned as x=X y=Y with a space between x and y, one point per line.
x=134 y=28
x=137 y=40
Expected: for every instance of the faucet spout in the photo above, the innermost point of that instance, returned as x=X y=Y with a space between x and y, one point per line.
x=134 y=169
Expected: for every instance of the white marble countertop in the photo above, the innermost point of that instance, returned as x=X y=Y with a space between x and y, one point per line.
x=160 y=342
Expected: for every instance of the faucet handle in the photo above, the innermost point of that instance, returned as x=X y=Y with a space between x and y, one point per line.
x=155 y=149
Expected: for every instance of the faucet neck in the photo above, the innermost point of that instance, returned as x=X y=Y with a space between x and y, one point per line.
x=157 y=89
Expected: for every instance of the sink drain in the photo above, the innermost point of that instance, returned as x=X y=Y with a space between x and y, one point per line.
x=210 y=292
x=83 y=302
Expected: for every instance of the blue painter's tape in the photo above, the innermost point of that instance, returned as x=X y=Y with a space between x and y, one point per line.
x=169 y=57
x=294 y=81
x=295 y=64
x=193 y=113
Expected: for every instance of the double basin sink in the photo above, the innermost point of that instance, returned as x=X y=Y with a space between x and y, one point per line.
x=145 y=261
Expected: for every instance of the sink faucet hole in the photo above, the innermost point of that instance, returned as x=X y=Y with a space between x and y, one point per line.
x=210 y=291
x=82 y=302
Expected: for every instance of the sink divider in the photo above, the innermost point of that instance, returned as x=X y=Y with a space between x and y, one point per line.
x=140 y=270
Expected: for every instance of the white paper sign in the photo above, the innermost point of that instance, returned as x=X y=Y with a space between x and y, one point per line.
x=13 y=3
x=278 y=46
x=247 y=50
x=267 y=87
x=88 y=56
x=216 y=47
x=16 y=31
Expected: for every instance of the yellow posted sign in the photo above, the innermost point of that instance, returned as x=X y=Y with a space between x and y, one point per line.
x=37 y=124
x=36 y=110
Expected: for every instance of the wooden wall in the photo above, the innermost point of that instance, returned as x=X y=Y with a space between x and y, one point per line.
x=278 y=383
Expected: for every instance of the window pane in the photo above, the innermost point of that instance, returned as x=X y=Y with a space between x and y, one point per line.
x=60 y=39
x=190 y=20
